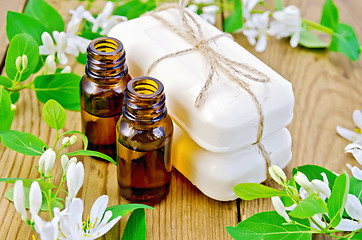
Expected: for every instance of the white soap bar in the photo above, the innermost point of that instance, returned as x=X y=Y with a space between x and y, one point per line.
x=215 y=174
x=228 y=118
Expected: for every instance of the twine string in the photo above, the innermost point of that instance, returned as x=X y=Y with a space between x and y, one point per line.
x=191 y=31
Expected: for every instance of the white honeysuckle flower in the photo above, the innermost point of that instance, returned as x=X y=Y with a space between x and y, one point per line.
x=304 y=182
x=62 y=43
x=50 y=66
x=356 y=150
x=43 y=157
x=322 y=188
x=274 y=176
x=64 y=160
x=19 y=199
x=354 y=210
x=356 y=172
x=287 y=23
x=46 y=230
x=248 y=6
x=209 y=13
x=303 y=193
x=111 y=22
x=48 y=47
x=96 y=225
x=18 y=63
x=352 y=135
x=65 y=140
x=192 y=7
x=279 y=172
x=102 y=17
x=66 y=69
x=35 y=197
x=256 y=27
x=73 y=139
x=279 y=208
x=49 y=162
x=24 y=61
x=75 y=178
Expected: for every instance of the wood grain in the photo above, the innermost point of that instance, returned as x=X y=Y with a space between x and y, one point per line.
x=327 y=88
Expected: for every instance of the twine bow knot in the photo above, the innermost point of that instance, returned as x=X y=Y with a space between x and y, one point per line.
x=191 y=31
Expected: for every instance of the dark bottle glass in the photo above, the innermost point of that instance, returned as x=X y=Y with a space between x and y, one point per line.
x=101 y=93
x=144 y=134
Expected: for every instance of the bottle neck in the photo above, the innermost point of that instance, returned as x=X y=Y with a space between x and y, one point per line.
x=144 y=100
x=106 y=60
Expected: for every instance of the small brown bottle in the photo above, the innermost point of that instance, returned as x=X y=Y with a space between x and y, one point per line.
x=144 y=134
x=101 y=93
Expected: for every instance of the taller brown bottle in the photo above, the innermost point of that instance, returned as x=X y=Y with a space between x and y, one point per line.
x=101 y=93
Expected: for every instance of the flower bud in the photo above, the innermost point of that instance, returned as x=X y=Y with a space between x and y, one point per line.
x=75 y=178
x=13 y=107
x=18 y=63
x=274 y=176
x=49 y=163
x=19 y=199
x=303 y=181
x=73 y=139
x=277 y=174
x=35 y=197
x=279 y=208
x=24 y=61
x=67 y=69
x=65 y=141
x=43 y=158
x=65 y=162
x=50 y=66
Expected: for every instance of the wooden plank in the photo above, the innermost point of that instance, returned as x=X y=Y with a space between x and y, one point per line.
x=327 y=88
x=16 y=6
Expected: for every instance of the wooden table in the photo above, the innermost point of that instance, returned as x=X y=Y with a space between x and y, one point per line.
x=327 y=88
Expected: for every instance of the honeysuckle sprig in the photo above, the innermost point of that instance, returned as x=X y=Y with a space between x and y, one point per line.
x=42 y=194
x=311 y=202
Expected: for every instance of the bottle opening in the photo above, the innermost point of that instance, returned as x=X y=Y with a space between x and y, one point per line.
x=145 y=87
x=106 y=46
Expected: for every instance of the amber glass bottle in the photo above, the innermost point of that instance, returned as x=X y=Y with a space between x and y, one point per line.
x=144 y=134
x=101 y=93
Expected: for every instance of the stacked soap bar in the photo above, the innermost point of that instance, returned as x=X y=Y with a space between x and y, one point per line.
x=214 y=149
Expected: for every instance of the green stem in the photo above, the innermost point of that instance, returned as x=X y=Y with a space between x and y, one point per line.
x=60 y=185
x=317 y=224
x=318 y=26
x=56 y=139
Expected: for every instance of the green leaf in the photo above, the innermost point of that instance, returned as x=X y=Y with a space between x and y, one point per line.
x=338 y=199
x=310 y=40
x=90 y=35
x=269 y=226
x=20 y=23
x=309 y=207
x=62 y=87
x=46 y=14
x=344 y=40
x=329 y=15
x=358 y=236
x=136 y=226
x=44 y=205
x=92 y=154
x=279 y=5
x=84 y=137
x=44 y=186
x=23 y=142
x=235 y=20
x=54 y=114
x=134 y=8
x=124 y=209
x=8 y=83
x=6 y=115
x=250 y=191
x=21 y=44
x=82 y=58
x=314 y=172
x=355 y=187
